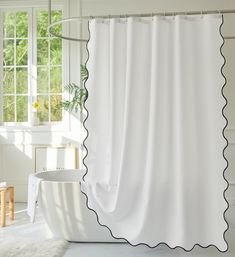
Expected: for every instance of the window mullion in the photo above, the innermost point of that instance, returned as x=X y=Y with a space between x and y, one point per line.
x=15 y=107
x=49 y=77
x=1 y=67
x=34 y=60
x=30 y=63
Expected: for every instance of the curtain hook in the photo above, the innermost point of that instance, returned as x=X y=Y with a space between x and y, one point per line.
x=152 y=16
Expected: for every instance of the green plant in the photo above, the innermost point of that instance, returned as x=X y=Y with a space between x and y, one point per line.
x=78 y=93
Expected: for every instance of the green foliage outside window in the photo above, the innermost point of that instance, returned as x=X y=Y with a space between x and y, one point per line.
x=49 y=60
x=15 y=67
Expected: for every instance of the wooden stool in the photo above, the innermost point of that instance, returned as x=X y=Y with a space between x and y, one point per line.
x=3 y=192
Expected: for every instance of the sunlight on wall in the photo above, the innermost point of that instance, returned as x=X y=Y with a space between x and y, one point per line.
x=55 y=158
x=26 y=149
x=4 y=135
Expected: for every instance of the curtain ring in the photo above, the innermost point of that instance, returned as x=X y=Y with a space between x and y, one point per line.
x=201 y=14
x=126 y=17
x=90 y=18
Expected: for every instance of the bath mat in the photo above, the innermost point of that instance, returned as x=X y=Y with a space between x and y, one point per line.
x=12 y=246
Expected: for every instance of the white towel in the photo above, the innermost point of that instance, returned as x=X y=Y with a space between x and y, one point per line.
x=3 y=184
x=33 y=191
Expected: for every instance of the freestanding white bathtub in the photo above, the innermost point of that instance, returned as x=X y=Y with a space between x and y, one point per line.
x=63 y=207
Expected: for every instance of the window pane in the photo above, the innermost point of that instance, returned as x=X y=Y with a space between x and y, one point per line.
x=22 y=80
x=21 y=52
x=22 y=108
x=22 y=24
x=8 y=80
x=8 y=52
x=56 y=80
x=42 y=23
x=8 y=109
x=56 y=16
x=56 y=110
x=8 y=24
x=56 y=51
x=42 y=51
x=43 y=112
x=42 y=80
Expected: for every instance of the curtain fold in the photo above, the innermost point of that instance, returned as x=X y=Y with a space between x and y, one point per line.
x=155 y=146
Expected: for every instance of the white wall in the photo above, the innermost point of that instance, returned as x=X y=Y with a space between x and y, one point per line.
x=106 y=7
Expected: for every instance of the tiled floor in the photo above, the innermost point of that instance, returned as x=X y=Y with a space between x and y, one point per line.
x=23 y=227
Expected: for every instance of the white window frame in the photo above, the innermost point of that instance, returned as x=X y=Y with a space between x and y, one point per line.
x=11 y=124
x=63 y=125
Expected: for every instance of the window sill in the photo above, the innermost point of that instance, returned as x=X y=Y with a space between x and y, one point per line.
x=54 y=127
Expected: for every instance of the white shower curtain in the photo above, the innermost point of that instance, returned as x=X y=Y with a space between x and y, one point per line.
x=155 y=164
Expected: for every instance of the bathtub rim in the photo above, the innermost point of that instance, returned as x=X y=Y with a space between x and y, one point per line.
x=56 y=176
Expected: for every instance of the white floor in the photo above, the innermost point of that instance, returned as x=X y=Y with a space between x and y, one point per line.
x=23 y=227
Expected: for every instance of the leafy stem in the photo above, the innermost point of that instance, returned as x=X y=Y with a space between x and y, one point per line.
x=78 y=93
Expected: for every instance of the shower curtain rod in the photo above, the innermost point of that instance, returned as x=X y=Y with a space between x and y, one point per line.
x=159 y=13
x=51 y=25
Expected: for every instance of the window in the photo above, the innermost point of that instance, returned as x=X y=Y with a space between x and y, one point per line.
x=31 y=67
x=15 y=66
x=49 y=68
